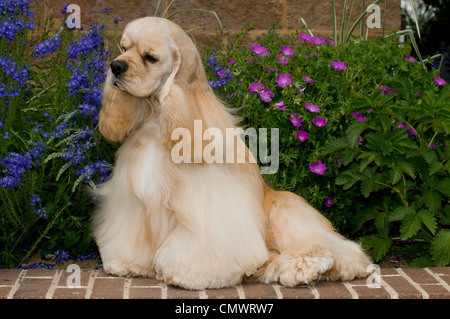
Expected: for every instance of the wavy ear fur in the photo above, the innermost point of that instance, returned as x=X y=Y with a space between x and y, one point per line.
x=187 y=97
x=120 y=113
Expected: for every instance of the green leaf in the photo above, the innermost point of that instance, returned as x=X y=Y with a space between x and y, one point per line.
x=432 y=199
x=347 y=179
x=410 y=226
x=354 y=131
x=396 y=174
x=429 y=220
x=381 y=247
x=422 y=262
x=335 y=144
x=440 y=248
x=408 y=169
x=400 y=212
x=434 y=167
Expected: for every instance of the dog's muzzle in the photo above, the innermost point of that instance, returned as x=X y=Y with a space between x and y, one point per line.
x=118 y=67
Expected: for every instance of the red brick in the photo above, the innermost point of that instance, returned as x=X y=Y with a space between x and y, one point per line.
x=364 y=292
x=256 y=290
x=33 y=288
x=296 y=293
x=404 y=289
x=180 y=293
x=9 y=276
x=140 y=281
x=436 y=291
x=332 y=290
x=4 y=292
x=419 y=275
x=108 y=288
x=224 y=293
x=145 y=293
x=69 y=293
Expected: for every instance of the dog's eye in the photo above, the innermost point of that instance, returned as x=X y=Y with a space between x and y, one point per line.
x=150 y=58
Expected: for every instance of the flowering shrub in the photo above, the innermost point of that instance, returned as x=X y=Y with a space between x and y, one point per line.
x=363 y=134
x=50 y=93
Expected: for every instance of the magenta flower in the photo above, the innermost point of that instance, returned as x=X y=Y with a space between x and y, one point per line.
x=305 y=37
x=280 y=105
x=410 y=58
x=318 y=168
x=282 y=59
x=358 y=116
x=360 y=140
x=439 y=81
x=302 y=136
x=308 y=79
x=387 y=90
x=231 y=62
x=319 y=122
x=329 y=202
x=284 y=79
x=318 y=41
x=296 y=121
x=256 y=87
x=339 y=65
x=287 y=51
x=266 y=95
x=260 y=50
x=312 y=108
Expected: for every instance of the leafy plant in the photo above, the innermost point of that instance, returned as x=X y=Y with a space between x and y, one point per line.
x=363 y=133
x=49 y=145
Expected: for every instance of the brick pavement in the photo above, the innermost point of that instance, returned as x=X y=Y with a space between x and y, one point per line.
x=395 y=283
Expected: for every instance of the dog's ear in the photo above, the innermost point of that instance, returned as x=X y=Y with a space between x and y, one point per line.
x=120 y=113
x=176 y=110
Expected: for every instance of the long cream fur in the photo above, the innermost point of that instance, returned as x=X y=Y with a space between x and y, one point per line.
x=197 y=225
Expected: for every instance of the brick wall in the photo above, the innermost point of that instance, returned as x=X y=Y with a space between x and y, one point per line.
x=234 y=14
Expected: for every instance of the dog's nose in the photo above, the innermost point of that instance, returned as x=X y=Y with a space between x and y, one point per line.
x=118 y=67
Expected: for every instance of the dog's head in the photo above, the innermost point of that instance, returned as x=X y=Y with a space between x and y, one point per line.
x=156 y=55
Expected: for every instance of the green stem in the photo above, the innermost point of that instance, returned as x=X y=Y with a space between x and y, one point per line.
x=396 y=190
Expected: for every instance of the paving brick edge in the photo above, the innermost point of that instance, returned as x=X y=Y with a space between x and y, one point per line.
x=394 y=283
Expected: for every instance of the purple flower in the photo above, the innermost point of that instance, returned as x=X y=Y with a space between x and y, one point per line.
x=439 y=81
x=312 y=108
x=260 y=50
x=358 y=116
x=319 y=122
x=256 y=87
x=266 y=95
x=318 y=168
x=280 y=105
x=305 y=37
x=387 y=90
x=360 y=140
x=410 y=58
x=339 y=65
x=329 y=202
x=302 y=136
x=282 y=59
x=318 y=41
x=287 y=51
x=231 y=62
x=283 y=80
x=308 y=79
x=296 y=121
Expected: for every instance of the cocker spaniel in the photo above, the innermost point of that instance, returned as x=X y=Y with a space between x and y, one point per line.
x=197 y=224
